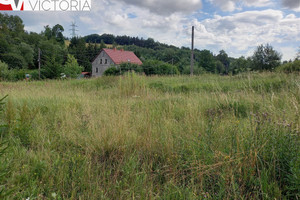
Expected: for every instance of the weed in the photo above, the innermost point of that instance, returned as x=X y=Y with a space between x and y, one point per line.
x=137 y=137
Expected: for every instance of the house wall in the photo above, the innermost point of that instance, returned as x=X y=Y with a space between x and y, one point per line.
x=101 y=67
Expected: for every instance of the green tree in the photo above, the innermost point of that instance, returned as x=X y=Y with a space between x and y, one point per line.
x=14 y=60
x=4 y=45
x=52 y=58
x=224 y=59
x=13 y=24
x=220 y=68
x=266 y=58
x=51 y=69
x=72 y=68
x=79 y=50
x=57 y=33
x=207 y=61
x=239 y=65
x=27 y=52
x=114 y=45
x=102 y=45
x=47 y=32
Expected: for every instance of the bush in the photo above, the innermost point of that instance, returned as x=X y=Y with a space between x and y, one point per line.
x=155 y=67
x=151 y=67
x=4 y=72
x=290 y=67
x=128 y=67
x=15 y=74
x=112 y=71
x=34 y=74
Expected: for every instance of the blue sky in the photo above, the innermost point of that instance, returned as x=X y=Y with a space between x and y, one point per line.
x=237 y=26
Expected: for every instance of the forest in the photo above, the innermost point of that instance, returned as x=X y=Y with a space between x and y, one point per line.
x=19 y=54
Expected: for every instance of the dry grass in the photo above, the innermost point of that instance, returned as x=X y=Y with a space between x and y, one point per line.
x=137 y=137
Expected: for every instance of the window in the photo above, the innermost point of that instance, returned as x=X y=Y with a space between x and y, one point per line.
x=96 y=69
x=100 y=61
x=105 y=61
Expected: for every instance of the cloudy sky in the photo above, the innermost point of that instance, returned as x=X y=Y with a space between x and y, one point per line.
x=237 y=26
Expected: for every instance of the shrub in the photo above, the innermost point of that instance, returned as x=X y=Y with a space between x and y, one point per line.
x=128 y=67
x=155 y=67
x=16 y=75
x=34 y=74
x=290 y=67
x=112 y=71
x=4 y=72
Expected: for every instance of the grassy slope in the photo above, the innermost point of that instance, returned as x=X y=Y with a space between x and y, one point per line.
x=153 y=138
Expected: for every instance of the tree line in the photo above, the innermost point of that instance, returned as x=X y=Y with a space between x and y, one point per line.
x=19 y=54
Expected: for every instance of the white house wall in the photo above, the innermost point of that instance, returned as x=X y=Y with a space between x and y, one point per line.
x=101 y=67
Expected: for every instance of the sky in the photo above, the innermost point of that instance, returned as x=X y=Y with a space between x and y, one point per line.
x=236 y=26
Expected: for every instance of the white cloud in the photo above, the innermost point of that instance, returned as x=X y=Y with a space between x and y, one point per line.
x=288 y=52
x=232 y=5
x=166 y=7
x=243 y=31
x=238 y=34
x=257 y=3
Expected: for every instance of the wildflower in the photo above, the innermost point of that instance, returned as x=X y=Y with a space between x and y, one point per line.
x=54 y=195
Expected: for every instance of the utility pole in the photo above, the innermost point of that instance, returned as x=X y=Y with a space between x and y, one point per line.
x=192 y=54
x=39 y=64
x=73 y=29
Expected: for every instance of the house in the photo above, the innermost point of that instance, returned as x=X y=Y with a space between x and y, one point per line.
x=112 y=57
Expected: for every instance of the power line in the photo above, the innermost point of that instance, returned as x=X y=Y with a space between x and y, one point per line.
x=73 y=29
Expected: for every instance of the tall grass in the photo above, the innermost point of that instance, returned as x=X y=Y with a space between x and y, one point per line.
x=136 y=137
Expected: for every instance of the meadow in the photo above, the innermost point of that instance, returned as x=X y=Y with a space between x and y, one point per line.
x=138 y=137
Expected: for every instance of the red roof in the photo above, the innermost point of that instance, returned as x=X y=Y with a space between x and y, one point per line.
x=121 y=56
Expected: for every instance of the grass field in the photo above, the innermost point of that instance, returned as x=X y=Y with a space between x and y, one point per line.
x=136 y=137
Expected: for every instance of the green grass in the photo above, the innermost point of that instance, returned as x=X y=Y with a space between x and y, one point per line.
x=136 y=137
